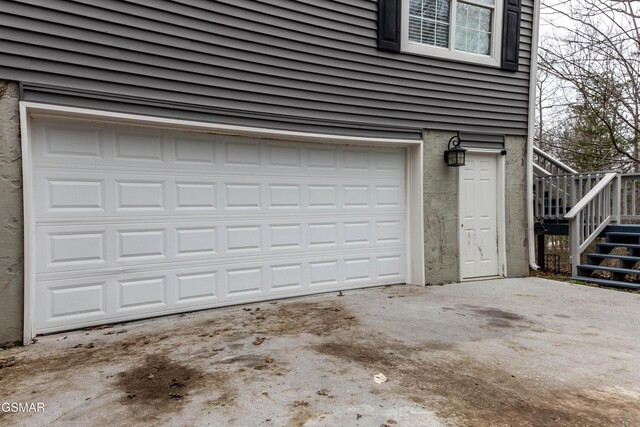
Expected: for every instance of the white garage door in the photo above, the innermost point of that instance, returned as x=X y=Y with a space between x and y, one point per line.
x=135 y=222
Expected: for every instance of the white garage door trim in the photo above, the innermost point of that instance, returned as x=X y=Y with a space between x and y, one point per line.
x=413 y=198
x=500 y=210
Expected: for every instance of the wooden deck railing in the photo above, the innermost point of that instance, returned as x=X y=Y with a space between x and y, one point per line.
x=591 y=215
x=630 y=197
x=545 y=164
x=555 y=195
x=588 y=201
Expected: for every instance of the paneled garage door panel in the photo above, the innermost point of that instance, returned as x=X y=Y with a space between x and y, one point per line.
x=133 y=222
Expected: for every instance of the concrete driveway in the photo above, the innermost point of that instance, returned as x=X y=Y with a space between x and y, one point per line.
x=504 y=353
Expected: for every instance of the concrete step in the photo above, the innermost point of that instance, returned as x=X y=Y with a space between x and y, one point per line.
x=607 y=282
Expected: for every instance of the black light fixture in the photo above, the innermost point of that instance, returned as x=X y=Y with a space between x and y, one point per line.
x=454 y=155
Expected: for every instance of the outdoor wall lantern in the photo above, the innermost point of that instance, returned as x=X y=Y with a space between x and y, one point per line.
x=454 y=155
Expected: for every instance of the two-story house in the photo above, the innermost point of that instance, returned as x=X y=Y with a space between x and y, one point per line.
x=162 y=156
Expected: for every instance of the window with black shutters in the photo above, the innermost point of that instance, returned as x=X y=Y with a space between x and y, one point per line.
x=480 y=31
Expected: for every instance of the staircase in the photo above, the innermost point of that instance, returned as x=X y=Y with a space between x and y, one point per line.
x=614 y=261
x=596 y=209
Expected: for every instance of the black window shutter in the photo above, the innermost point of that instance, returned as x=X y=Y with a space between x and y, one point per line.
x=389 y=25
x=511 y=35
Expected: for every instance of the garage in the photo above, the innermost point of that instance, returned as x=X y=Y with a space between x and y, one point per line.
x=133 y=221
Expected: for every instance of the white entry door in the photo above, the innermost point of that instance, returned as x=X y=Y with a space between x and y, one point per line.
x=136 y=221
x=479 y=216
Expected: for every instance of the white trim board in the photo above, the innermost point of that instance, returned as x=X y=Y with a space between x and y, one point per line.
x=28 y=110
x=49 y=110
x=28 y=192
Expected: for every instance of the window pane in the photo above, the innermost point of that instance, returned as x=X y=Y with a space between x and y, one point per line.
x=473 y=17
x=442 y=11
x=442 y=35
x=429 y=9
x=415 y=30
x=484 y=19
x=461 y=39
x=429 y=22
x=415 y=7
x=473 y=28
x=484 y=43
x=428 y=33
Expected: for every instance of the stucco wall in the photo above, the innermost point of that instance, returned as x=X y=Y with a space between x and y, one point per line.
x=441 y=210
x=11 y=224
x=516 y=203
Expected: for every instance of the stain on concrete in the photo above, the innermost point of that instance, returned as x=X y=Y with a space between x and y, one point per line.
x=294 y=318
x=158 y=385
x=498 y=314
x=467 y=392
x=497 y=318
x=251 y=361
x=300 y=416
x=211 y=367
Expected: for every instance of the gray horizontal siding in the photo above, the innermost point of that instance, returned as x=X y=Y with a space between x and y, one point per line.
x=281 y=62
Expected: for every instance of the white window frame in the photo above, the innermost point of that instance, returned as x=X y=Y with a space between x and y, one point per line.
x=450 y=52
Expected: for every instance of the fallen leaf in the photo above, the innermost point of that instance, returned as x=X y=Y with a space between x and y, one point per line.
x=300 y=403
x=7 y=363
x=258 y=340
x=99 y=327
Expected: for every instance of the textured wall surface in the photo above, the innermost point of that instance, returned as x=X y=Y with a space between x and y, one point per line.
x=516 y=214
x=11 y=224
x=440 y=211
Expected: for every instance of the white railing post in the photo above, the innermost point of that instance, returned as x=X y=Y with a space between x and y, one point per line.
x=591 y=215
x=574 y=241
x=615 y=202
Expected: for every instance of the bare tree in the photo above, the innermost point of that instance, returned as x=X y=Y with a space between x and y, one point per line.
x=596 y=54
